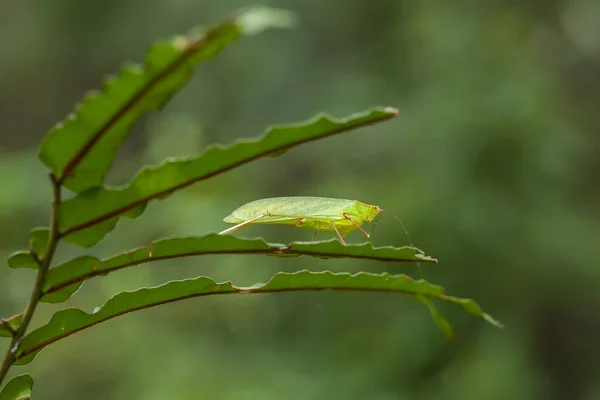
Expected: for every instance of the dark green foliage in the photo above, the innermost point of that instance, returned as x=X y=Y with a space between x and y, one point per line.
x=79 y=153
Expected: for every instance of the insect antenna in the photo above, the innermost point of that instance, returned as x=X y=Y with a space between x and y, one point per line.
x=411 y=245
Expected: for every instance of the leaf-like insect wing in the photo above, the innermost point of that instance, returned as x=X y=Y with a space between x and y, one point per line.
x=285 y=208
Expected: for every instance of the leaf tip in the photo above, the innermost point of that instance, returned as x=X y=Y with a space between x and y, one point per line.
x=390 y=110
x=182 y=42
x=423 y=257
x=257 y=19
x=439 y=320
x=493 y=321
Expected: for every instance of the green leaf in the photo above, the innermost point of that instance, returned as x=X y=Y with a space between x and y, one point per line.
x=67 y=322
x=88 y=217
x=18 y=388
x=471 y=307
x=9 y=325
x=439 y=320
x=38 y=241
x=81 y=149
x=334 y=249
x=22 y=259
x=63 y=281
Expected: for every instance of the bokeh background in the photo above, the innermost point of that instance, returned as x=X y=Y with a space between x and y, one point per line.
x=492 y=165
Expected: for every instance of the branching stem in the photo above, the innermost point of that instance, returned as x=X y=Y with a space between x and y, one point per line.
x=36 y=293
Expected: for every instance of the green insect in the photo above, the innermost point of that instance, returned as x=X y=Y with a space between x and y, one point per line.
x=320 y=214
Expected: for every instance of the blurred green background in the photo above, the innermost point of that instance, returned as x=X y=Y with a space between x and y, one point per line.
x=492 y=165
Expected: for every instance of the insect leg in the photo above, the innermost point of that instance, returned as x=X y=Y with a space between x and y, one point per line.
x=338 y=232
x=242 y=224
x=313 y=238
x=356 y=225
x=375 y=222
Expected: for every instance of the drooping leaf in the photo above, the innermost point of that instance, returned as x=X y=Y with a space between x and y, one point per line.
x=18 y=388
x=88 y=217
x=38 y=241
x=69 y=321
x=9 y=325
x=22 y=259
x=440 y=321
x=471 y=307
x=63 y=281
x=81 y=149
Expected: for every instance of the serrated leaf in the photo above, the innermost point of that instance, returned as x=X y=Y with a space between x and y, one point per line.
x=9 y=325
x=38 y=241
x=67 y=322
x=334 y=249
x=22 y=259
x=81 y=149
x=18 y=388
x=88 y=217
x=63 y=281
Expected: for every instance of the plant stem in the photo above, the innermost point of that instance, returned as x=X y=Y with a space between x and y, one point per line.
x=36 y=292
